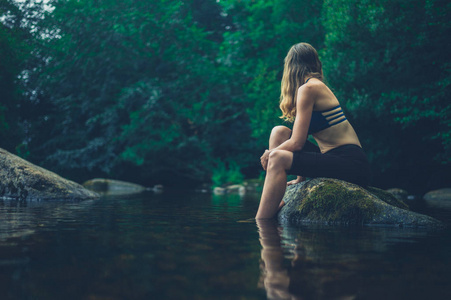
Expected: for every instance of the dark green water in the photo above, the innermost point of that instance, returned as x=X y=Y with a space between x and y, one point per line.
x=195 y=246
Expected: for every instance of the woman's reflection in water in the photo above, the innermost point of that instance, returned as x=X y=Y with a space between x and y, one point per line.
x=303 y=278
x=274 y=275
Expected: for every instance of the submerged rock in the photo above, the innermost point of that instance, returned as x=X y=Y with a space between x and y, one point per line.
x=236 y=189
x=219 y=190
x=117 y=187
x=253 y=185
x=332 y=201
x=231 y=189
x=20 y=179
x=439 y=198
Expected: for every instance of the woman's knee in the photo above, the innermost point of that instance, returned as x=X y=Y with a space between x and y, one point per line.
x=280 y=159
x=281 y=131
x=279 y=134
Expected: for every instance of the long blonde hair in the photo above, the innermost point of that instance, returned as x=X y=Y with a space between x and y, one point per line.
x=301 y=62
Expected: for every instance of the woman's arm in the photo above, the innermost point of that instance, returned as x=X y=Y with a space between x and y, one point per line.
x=305 y=100
x=304 y=108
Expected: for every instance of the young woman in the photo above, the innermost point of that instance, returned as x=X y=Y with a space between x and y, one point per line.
x=314 y=109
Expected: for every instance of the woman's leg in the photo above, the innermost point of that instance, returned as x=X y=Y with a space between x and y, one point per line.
x=279 y=134
x=275 y=183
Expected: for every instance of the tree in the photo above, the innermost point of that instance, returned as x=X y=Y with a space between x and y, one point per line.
x=133 y=88
x=16 y=49
x=389 y=63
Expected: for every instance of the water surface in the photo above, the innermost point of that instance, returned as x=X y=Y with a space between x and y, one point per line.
x=187 y=245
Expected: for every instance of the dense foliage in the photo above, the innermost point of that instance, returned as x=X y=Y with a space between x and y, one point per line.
x=131 y=88
x=389 y=62
x=158 y=91
x=17 y=41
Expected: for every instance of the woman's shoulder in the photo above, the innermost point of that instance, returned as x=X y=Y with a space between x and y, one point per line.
x=318 y=93
x=312 y=88
x=313 y=84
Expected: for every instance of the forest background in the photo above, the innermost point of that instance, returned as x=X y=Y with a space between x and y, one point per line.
x=186 y=92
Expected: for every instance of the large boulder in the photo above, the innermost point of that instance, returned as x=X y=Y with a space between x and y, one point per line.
x=20 y=179
x=332 y=201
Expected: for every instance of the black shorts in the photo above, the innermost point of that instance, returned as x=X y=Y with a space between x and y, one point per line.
x=347 y=162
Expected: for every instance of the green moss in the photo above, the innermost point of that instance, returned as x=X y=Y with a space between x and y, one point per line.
x=331 y=202
x=387 y=197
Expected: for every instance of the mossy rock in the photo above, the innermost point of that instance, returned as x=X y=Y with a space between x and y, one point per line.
x=332 y=201
x=20 y=179
x=388 y=197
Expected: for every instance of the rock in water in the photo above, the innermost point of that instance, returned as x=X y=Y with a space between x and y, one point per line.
x=21 y=179
x=439 y=198
x=332 y=201
x=113 y=187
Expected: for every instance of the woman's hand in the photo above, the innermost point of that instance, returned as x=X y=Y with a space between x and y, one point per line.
x=264 y=159
x=297 y=180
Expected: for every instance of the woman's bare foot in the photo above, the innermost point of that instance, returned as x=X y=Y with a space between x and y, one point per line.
x=297 y=180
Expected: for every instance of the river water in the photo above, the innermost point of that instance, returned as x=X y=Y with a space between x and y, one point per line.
x=186 y=245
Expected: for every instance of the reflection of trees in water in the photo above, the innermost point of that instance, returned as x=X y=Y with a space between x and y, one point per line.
x=328 y=263
x=19 y=218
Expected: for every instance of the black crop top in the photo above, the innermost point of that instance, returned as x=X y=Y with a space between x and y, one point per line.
x=326 y=118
